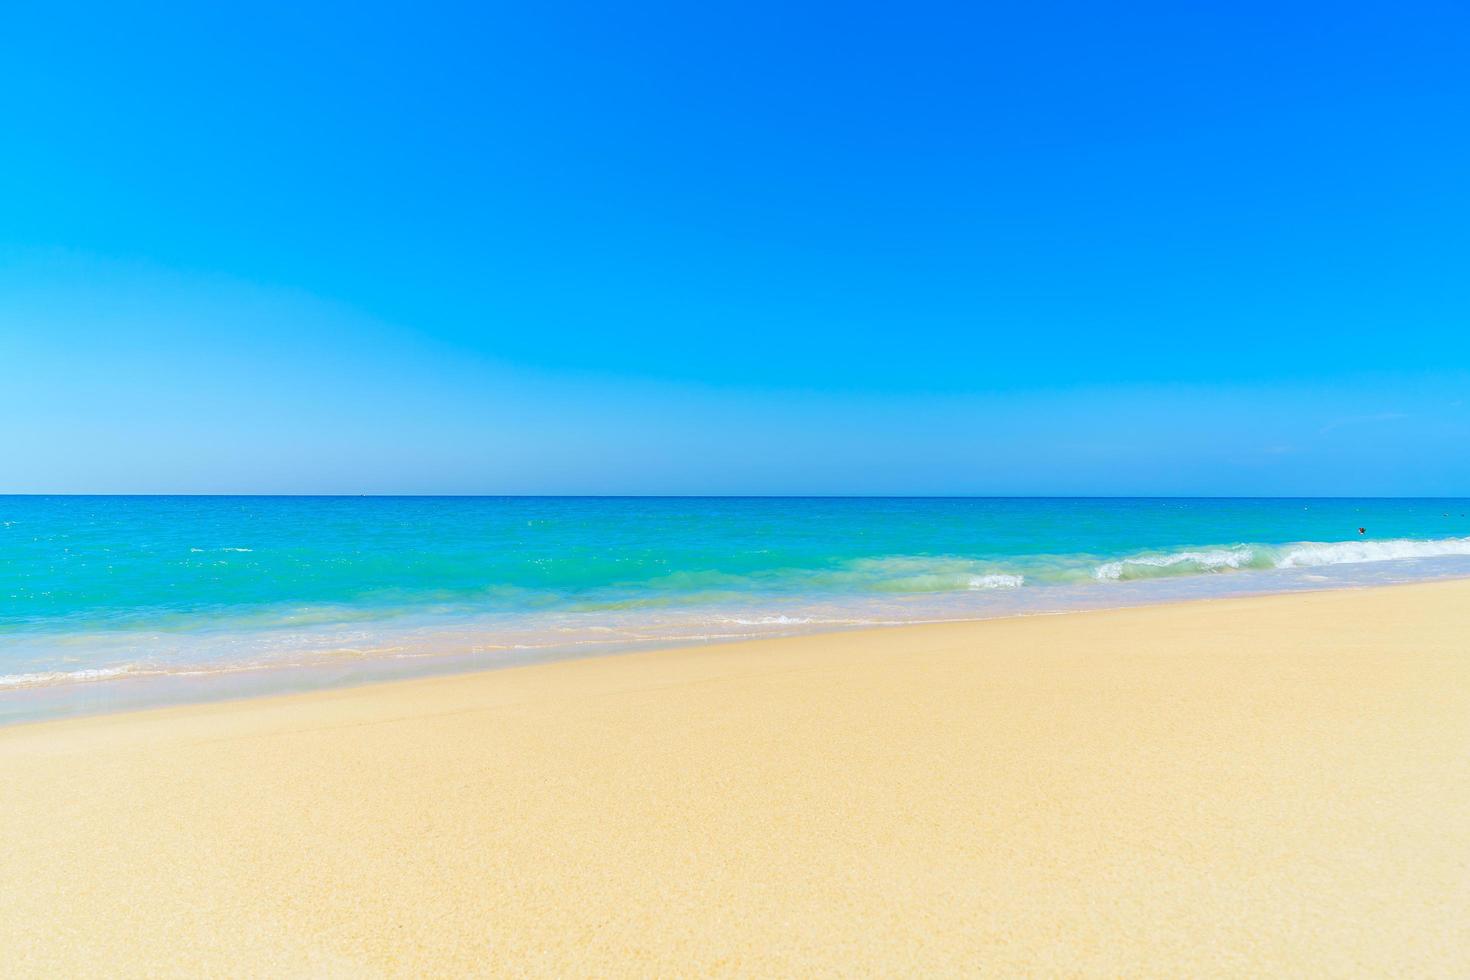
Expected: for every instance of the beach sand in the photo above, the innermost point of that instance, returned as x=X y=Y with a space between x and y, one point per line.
x=1250 y=786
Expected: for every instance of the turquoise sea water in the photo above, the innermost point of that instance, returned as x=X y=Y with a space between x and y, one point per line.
x=98 y=594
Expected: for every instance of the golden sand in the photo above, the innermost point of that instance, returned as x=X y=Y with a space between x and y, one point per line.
x=1277 y=785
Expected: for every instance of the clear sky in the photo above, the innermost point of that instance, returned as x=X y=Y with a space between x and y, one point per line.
x=970 y=248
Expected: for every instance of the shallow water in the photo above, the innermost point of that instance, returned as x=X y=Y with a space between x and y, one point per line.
x=116 y=601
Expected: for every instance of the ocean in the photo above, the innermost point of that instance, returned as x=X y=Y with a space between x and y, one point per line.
x=111 y=602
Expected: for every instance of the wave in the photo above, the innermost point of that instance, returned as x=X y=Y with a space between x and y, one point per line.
x=1311 y=554
x=47 y=678
x=999 y=581
x=1178 y=563
x=1301 y=554
x=948 y=573
x=926 y=574
x=917 y=574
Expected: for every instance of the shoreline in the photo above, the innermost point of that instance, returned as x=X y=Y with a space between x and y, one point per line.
x=132 y=691
x=1266 y=784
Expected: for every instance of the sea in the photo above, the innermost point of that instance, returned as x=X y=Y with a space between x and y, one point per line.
x=112 y=602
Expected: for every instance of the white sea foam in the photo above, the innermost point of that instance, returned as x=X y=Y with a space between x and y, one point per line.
x=46 y=678
x=998 y=581
x=1303 y=554
x=1141 y=566
x=1311 y=554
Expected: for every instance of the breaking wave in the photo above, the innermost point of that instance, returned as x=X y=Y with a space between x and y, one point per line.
x=923 y=574
x=1310 y=554
x=46 y=678
x=1302 y=554
x=1179 y=563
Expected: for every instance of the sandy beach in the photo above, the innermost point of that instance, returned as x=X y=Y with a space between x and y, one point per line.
x=1275 y=785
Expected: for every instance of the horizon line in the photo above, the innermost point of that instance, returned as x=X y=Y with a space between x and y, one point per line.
x=726 y=496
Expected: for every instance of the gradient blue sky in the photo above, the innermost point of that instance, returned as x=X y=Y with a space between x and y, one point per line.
x=746 y=248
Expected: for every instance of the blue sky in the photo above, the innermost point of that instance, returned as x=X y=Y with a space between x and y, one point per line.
x=755 y=248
